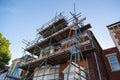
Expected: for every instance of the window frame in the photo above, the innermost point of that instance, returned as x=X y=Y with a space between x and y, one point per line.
x=116 y=61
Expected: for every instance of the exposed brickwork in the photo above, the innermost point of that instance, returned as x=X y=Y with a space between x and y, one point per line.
x=92 y=67
x=101 y=64
x=116 y=74
x=115 y=28
x=119 y=43
x=117 y=33
x=23 y=73
x=30 y=76
x=62 y=67
x=93 y=70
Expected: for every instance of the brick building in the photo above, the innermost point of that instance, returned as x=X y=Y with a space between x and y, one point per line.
x=68 y=50
x=114 y=30
x=112 y=55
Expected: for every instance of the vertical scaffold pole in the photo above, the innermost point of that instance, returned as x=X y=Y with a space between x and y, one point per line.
x=44 y=70
x=69 y=67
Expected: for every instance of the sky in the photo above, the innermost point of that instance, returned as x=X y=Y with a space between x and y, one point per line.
x=19 y=19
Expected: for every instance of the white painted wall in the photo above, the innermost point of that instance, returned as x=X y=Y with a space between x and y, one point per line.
x=39 y=72
x=2 y=76
x=73 y=74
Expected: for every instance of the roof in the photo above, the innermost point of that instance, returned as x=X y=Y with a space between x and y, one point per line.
x=113 y=24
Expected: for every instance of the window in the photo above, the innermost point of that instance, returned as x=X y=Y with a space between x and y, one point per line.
x=113 y=62
x=16 y=71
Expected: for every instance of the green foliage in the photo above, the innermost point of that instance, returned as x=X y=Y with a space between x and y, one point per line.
x=4 y=51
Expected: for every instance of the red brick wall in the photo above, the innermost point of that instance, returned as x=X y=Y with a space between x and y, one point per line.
x=99 y=55
x=92 y=67
x=116 y=74
x=91 y=62
x=118 y=34
x=23 y=73
x=30 y=75
x=62 y=67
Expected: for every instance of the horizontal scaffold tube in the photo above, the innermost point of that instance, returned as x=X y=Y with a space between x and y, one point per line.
x=61 y=31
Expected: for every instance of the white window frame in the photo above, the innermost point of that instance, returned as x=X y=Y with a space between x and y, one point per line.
x=116 y=61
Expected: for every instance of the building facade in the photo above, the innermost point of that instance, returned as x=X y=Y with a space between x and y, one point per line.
x=16 y=73
x=112 y=55
x=67 y=50
x=112 y=62
x=114 y=30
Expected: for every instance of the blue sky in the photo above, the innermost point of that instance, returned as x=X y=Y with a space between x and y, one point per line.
x=19 y=19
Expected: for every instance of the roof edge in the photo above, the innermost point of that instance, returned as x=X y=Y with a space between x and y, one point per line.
x=113 y=24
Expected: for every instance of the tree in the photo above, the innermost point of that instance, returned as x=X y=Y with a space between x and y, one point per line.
x=4 y=51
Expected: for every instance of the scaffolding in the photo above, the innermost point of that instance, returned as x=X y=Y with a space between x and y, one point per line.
x=62 y=41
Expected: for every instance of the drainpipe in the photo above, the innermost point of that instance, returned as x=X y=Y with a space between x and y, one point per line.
x=97 y=66
x=93 y=46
